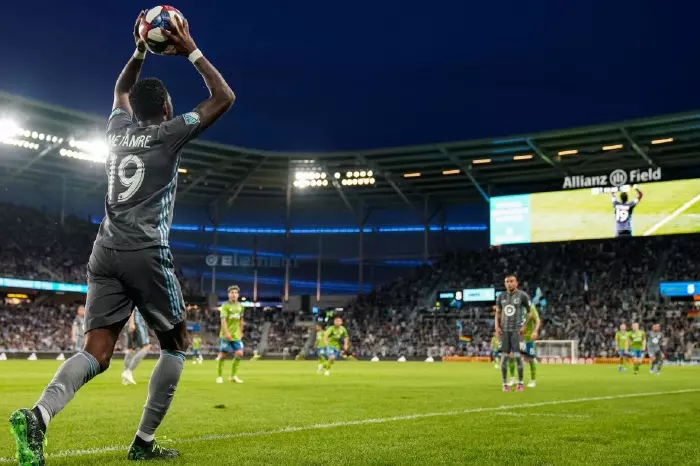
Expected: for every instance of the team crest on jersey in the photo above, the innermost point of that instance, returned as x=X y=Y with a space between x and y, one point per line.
x=516 y=301
x=509 y=310
x=191 y=118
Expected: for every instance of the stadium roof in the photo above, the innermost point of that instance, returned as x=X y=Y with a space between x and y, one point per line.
x=444 y=173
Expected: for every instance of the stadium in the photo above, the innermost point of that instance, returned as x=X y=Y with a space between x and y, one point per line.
x=368 y=295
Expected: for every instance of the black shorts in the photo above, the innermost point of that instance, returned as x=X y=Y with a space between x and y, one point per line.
x=623 y=233
x=510 y=342
x=118 y=281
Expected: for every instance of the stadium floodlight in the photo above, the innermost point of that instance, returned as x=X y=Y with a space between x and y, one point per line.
x=337 y=175
x=356 y=174
x=522 y=157
x=480 y=161
x=363 y=174
x=411 y=175
x=568 y=152
x=8 y=128
x=370 y=173
x=371 y=180
x=662 y=141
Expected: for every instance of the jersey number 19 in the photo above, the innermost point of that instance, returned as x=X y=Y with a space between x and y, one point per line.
x=131 y=183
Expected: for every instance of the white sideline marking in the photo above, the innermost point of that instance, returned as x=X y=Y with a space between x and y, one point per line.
x=673 y=215
x=381 y=420
x=563 y=416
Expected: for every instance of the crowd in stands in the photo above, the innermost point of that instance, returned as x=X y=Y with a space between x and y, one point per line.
x=583 y=291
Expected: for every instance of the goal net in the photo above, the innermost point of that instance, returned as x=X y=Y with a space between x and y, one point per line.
x=566 y=350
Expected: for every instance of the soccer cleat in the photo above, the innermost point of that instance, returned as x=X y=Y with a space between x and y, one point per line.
x=327 y=373
x=219 y=380
x=29 y=439
x=506 y=387
x=532 y=384
x=128 y=378
x=520 y=388
x=235 y=379
x=141 y=450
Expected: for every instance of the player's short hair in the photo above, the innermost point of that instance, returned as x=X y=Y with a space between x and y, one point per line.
x=624 y=197
x=147 y=98
x=512 y=275
x=233 y=288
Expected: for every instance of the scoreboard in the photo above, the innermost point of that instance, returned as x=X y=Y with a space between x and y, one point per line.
x=680 y=291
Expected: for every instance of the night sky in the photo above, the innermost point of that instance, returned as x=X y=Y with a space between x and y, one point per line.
x=312 y=75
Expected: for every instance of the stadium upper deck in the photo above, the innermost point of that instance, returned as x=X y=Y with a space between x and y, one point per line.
x=445 y=173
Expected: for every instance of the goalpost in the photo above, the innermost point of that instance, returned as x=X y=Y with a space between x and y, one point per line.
x=558 y=349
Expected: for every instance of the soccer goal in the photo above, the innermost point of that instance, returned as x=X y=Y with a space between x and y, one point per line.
x=555 y=349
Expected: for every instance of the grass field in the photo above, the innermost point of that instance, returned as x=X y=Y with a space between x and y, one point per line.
x=667 y=208
x=383 y=413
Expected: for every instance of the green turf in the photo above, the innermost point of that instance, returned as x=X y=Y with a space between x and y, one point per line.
x=578 y=214
x=659 y=429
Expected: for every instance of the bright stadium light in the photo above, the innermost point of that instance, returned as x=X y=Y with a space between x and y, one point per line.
x=451 y=172
x=662 y=141
x=356 y=174
x=8 y=128
x=371 y=180
x=370 y=173
x=480 y=161
x=568 y=152
x=613 y=147
x=324 y=182
x=337 y=175
x=522 y=157
x=363 y=173
x=348 y=175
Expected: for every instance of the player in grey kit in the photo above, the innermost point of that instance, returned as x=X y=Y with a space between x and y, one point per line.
x=131 y=264
x=137 y=346
x=78 y=329
x=512 y=312
x=623 y=212
x=655 y=349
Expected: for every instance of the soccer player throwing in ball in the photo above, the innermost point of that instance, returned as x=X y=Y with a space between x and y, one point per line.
x=513 y=309
x=131 y=264
x=636 y=345
x=335 y=334
x=231 y=334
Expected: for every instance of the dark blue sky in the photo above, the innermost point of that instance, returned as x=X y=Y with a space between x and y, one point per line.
x=314 y=75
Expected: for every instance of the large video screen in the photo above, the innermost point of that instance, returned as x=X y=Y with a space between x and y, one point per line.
x=664 y=208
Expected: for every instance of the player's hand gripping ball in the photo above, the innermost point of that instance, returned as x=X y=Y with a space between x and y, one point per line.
x=153 y=23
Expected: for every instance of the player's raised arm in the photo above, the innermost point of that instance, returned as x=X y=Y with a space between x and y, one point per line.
x=221 y=96
x=640 y=195
x=130 y=73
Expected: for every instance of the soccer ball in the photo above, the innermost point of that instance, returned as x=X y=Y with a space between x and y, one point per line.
x=152 y=25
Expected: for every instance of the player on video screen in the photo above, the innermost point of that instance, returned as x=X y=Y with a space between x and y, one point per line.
x=623 y=212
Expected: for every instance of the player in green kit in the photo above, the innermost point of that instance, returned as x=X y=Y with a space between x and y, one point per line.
x=231 y=335
x=319 y=346
x=332 y=338
x=621 y=337
x=494 y=351
x=196 y=353
x=532 y=329
x=636 y=345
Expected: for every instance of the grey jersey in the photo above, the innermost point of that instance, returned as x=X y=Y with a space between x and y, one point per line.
x=654 y=341
x=623 y=214
x=79 y=323
x=513 y=308
x=141 y=179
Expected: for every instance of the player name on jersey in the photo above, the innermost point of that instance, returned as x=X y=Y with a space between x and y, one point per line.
x=618 y=177
x=124 y=140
